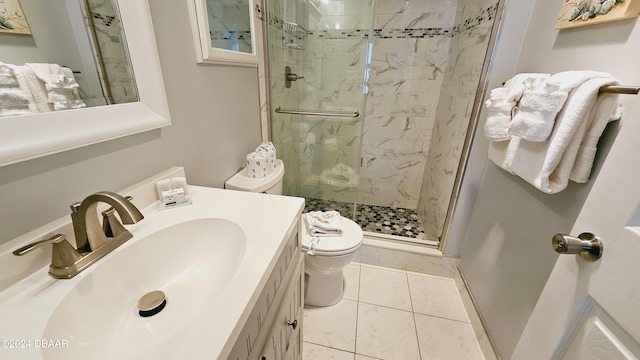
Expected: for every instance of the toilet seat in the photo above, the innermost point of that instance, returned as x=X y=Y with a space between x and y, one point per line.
x=335 y=245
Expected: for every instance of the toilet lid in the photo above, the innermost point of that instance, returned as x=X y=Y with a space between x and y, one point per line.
x=335 y=245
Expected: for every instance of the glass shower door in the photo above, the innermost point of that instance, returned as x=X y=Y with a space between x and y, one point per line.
x=318 y=64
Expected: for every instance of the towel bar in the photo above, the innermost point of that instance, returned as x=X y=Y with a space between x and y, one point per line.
x=617 y=89
x=630 y=90
x=354 y=114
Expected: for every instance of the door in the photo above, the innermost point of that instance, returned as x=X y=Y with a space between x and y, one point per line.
x=591 y=310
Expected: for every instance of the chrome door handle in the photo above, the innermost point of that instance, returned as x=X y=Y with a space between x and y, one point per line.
x=587 y=245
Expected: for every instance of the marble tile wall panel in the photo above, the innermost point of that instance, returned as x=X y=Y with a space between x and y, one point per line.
x=407 y=70
x=286 y=133
x=332 y=63
x=413 y=92
x=468 y=48
x=117 y=70
x=230 y=25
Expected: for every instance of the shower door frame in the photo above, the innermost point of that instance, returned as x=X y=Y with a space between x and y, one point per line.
x=473 y=125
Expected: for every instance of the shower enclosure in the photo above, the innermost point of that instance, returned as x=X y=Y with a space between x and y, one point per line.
x=370 y=105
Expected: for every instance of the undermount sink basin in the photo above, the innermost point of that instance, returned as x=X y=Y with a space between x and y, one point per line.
x=192 y=262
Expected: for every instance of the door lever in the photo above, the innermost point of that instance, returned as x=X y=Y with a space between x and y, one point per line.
x=587 y=245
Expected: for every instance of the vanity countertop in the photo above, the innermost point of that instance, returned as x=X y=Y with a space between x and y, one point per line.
x=266 y=220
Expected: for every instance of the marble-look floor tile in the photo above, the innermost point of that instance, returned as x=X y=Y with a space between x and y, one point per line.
x=436 y=296
x=316 y=352
x=363 y=357
x=351 y=275
x=332 y=326
x=384 y=288
x=445 y=339
x=386 y=333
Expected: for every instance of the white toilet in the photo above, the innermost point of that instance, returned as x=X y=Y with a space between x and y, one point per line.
x=271 y=184
x=323 y=270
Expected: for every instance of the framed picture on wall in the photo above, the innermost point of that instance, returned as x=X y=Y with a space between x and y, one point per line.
x=12 y=20
x=574 y=13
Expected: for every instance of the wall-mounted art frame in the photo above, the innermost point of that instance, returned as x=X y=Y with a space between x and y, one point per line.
x=574 y=13
x=12 y=20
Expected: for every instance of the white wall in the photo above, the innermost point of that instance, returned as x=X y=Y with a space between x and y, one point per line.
x=506 y=254
x=215 y=118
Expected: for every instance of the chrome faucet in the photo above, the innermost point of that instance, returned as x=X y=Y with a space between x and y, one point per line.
x=92 y=240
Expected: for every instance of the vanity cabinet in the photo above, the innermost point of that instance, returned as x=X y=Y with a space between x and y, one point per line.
x=273 y=330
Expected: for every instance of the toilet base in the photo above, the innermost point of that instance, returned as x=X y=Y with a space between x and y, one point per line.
x=323 y=289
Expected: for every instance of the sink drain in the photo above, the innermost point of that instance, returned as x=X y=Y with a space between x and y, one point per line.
x=151 y=303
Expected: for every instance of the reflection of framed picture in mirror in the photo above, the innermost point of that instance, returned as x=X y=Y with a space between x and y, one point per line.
x=12 y=20
x=574 y=13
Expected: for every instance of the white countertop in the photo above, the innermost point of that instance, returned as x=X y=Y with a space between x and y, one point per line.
x=266 y=220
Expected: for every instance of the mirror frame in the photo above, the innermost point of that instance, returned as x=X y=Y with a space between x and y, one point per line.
x=207 y=54
x=31 y=136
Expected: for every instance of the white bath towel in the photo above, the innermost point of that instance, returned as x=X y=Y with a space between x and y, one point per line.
x=59 y=85
x=536 y=114
x=37 y=89
x=502 y=103
x=324 y=223
x=7 y=77
x=549 y=165
x=15 y=94
x=540 y=104
x=587 y=152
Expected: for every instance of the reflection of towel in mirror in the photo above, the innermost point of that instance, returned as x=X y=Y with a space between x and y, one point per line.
x=324 y=223
x=59 y=84
x=15 y=96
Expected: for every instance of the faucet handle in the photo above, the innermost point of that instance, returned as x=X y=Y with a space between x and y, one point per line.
x=62 y=255
x=110 y=224
x=55 y=239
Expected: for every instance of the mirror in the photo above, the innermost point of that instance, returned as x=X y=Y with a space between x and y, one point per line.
x=225 y=31
x=83 y=36
x=29 y=136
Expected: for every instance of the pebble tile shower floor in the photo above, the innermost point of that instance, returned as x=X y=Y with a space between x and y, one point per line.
x=378 y=219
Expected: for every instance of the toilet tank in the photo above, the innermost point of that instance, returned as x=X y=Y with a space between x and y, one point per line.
x=271 y=184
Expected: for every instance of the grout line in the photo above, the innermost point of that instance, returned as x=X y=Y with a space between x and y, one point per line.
x=413 y=316
x=330 y=347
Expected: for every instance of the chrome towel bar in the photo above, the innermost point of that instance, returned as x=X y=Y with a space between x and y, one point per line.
x=354 y=114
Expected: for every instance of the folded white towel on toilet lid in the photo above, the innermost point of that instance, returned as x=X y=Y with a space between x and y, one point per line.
x=324 y=223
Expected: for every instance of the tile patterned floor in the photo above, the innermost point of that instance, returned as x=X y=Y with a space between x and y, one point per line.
x=391 y=314
x=378 y=219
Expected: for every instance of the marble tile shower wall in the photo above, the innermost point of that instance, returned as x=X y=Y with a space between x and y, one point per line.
x=116 y=67
x=468 y=48
x=284 y=130
x=410 y=53
x=326 y=44
x=231 y=26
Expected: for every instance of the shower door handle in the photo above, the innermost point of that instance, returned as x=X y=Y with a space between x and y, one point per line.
x=587 y=245
x=289 y=77
x=294 y=77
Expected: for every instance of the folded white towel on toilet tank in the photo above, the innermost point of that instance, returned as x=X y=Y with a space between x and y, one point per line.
x=324 y=223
